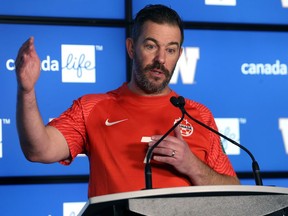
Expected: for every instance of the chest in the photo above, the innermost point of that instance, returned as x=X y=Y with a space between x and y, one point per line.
x=121 y=128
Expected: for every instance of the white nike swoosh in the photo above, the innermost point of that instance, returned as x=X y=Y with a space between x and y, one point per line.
x=107 y=123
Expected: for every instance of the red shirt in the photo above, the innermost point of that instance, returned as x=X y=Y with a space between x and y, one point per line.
x=109 y=128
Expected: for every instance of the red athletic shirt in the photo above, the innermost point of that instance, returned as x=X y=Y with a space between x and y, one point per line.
x=109 y=128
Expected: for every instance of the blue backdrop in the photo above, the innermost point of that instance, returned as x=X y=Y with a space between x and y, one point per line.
x=240 y=75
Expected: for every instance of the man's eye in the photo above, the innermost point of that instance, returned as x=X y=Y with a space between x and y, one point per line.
x=171 y=51
x=149 y=46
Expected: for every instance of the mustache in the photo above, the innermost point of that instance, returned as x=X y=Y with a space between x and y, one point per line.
x=157 y=65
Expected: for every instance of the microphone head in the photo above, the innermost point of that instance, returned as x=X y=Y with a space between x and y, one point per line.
x=178 y=102
x=174 y=101
x=181 y=101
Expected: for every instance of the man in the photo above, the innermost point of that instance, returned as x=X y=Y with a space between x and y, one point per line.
x=109 y=127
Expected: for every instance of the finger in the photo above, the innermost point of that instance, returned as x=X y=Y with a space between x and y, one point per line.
x=29 y=47
x=169 y=138
x=26 y=47
x=167 y=152
x=168 y=142
x=169 y=157
x=26 y=51
x=177 y=132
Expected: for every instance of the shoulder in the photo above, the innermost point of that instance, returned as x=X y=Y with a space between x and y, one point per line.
x=86 y=104
x=94 y=99
x=191 y=104
x=203 y=111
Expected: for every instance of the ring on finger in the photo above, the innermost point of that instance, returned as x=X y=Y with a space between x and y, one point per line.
x=173 y=153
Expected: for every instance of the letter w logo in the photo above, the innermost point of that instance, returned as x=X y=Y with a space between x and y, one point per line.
x=283 y=126
x=186 y=66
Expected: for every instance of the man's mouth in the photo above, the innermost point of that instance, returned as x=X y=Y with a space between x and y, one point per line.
x=156 y=72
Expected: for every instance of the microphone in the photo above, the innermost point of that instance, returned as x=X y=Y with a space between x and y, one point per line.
x=148 y=171
x=180 y=102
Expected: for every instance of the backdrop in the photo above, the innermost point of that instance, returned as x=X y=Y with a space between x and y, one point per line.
x=234 y=62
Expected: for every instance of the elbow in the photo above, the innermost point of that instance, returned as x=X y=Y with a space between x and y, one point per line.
x=35 y=158
x=32 y=157
x=38 y=156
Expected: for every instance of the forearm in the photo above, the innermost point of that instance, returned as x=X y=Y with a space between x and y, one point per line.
x=201 y=174
x=31 y=129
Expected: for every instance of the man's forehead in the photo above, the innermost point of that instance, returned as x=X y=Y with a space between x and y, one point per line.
x=162 y=43
x=161 y=33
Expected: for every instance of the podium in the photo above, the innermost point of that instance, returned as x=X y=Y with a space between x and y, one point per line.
x=195 y=200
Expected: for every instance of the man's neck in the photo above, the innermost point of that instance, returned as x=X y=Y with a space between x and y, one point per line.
x=135 y=89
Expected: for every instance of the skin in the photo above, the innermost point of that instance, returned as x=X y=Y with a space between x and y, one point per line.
x=154 y=56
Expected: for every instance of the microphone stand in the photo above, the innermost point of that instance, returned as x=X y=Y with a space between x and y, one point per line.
x=148 y=171
x=255 y=166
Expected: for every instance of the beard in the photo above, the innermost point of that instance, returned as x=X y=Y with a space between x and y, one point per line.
x=143 y=81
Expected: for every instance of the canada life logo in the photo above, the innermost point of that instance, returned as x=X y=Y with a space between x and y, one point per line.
x=221 y=2
x=276 y=68
x=78 y=63
x=229 y=127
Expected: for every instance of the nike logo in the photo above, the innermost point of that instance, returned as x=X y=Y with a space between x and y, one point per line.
x=107 y=123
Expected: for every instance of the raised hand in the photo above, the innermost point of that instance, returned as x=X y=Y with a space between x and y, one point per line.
x=27 y=66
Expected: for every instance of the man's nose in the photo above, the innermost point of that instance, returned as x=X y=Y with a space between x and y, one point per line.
x=161 y=56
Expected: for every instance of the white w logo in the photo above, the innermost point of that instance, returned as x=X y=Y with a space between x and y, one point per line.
x=186 y=66
x=283 y=126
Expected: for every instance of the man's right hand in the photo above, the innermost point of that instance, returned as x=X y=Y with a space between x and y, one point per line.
x=38 y=142
x=27 y=66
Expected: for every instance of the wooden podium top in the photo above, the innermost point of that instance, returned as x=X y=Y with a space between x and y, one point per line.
x=236 y=189
x=228 y=196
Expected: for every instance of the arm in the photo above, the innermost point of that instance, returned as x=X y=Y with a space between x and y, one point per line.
x=187 y=163
x=38 y=143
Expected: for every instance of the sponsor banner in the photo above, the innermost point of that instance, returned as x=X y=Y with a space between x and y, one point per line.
x=243 y=80
x=284 y=3
x=111 y=9
x=44 y=199
x=78 y=63
x=283 y=126
x=72 y=208
x=240 y=78
x=226 y=11
x=221 y=2
x=230 y=128
x=74 y=61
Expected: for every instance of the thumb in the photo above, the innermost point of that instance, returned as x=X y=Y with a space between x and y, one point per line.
x=177 y=132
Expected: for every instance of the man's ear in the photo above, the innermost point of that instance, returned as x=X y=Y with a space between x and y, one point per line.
x=130 y=47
